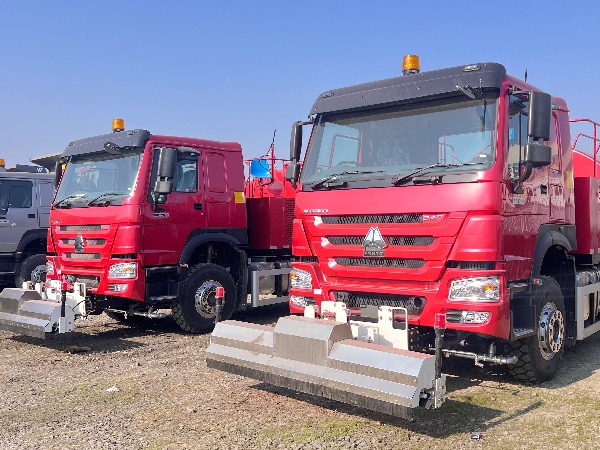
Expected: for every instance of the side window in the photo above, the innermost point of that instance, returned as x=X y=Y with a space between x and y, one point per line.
x=46 y=194
x=556 y=165
x=186 y=172
x=186 y=176
x=15 y=194
x=518 y=110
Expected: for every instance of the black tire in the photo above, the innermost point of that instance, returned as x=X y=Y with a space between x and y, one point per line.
x=540 y=355
x=194 y=310
x=34 y=266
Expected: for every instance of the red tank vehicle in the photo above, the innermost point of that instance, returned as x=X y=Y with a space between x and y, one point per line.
x=437 y=213
x=143 y=222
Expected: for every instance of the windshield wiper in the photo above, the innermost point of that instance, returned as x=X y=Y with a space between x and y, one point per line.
x=106 y=194
x=68 y=197
x=327 y=182
x=408 y=177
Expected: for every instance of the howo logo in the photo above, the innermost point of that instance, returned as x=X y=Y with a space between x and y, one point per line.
x=374 y=243
x=316 y=211
x=432 y=217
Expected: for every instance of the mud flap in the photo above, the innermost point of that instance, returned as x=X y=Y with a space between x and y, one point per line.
x=320 y=357
x=25 y=312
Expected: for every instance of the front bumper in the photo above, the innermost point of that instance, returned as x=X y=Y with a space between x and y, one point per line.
x=428 y=298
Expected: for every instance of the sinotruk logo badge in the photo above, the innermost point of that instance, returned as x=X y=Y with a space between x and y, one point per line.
x=374 y=243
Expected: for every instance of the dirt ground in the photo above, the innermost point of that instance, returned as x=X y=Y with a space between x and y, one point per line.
x=115 y=386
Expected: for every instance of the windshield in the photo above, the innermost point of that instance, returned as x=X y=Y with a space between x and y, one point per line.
x=98 y=180
x=451 y=135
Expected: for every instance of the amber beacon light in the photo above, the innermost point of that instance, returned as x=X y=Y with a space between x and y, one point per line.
x=410 y=65
x=118 y=125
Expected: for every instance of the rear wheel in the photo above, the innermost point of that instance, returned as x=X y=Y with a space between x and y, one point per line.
x=539 y=355
x=194 y=310
x=33 y=268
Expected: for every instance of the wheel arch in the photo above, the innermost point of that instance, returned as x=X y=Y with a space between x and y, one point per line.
x=552 y=258
x=221 y=249
x=32 y=242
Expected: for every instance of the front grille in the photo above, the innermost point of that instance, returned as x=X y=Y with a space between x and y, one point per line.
x=393 y=263
x=309 y=259
x=413 y=304
x=408 y=241
x=90 y=281
x=87 y=241
x=373 y=218
x=471 y=265
x=80 y=227
x=73 y=255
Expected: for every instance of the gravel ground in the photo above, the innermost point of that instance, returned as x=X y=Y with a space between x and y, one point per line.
x=115 y=386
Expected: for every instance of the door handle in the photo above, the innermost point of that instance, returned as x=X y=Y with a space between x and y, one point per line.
x=198 y=206
x=31 y=216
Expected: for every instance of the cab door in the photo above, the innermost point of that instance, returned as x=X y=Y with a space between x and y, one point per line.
x=168 y=224
x=218 y=195
x=17 y=212
x=45 y=196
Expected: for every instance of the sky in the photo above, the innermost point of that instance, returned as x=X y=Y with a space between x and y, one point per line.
x=239 y=70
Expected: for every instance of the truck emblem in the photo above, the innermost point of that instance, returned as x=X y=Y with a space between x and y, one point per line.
x=374 y=243
x=79 y=244
x=316 y=211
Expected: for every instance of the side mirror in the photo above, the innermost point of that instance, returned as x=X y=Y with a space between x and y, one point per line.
x=58 y=172
x=538 y=155
x=292 y=172
x=540 y=116
x=167 y=157
x=296 y=141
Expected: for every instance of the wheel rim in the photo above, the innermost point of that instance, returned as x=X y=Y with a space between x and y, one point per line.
x=551 y=331
x=204 y=298
x=38 y=274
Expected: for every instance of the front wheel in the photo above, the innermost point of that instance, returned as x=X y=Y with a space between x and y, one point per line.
x=540 y=355
x=194 y=310
x=33 y=268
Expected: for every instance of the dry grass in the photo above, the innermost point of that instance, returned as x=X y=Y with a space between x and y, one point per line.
x=169 y=399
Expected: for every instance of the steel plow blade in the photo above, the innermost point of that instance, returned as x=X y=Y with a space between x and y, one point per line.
x=321 y=358
x=25 y=312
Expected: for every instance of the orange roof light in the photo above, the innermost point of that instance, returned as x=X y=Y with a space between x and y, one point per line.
x=410 y=64
x=118 y=125
x=2 y=163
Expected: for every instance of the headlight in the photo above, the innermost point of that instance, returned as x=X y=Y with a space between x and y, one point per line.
x=300 y=279
x=49 y=268
x=478 y=289
x=123 y=270
x=303 y=302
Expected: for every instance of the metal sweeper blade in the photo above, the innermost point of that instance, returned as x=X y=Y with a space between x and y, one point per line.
x=320 y=357
x=24 y=312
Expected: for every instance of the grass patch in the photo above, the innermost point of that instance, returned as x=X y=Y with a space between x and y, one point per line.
x=321 y=431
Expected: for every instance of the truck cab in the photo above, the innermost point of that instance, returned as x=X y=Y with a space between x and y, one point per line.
x=25 y=199
x=444 y=192
x=143 y=222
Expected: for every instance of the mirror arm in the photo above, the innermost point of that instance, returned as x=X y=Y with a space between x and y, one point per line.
x=518 y=184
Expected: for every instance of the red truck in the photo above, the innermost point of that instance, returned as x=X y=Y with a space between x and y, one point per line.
x=144 y=222
x=450 y=203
